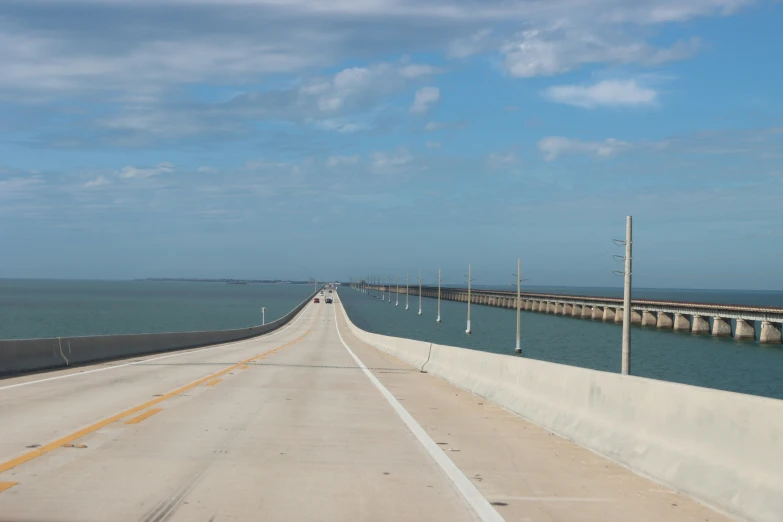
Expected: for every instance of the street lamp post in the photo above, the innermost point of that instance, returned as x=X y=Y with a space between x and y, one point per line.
x=263 y=315
x=419 y=291
x=518 y=348
x=406 y=290
x=438 y=319
x=397 y=294
x=467 y=330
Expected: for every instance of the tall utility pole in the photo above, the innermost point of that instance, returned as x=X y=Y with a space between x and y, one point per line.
x=467 y=330
x=438 y=319
x=518 y=348
x=419 y=291
x=626 y=370
x=397 y=295
x=406 y=290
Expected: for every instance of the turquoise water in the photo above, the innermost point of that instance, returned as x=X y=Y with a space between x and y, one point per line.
x=51 y=308
x=726 y=364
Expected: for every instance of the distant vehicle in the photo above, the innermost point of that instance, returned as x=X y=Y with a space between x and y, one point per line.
x=316 y=300
x=330 y=291
x=328 y=300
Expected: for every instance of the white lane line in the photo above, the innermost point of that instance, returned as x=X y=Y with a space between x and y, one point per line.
x=480 y=505
x=178 y=354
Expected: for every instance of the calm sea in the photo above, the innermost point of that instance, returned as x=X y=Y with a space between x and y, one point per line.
x=52 y=308
x=740 y=366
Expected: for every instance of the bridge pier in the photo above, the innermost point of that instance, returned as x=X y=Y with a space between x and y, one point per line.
x=608 y=315
x=700 y=325
x=587 y=312
x=664 y=321
x=618 y=315
x=649 y=319
x=770 y=333
x=745 y=330
x=550 y=308
x=721 y=327
x=576 y=310
x=568 y=309
x=598 y=313
x=558 y=308
x=681 y=323
x=542 y=306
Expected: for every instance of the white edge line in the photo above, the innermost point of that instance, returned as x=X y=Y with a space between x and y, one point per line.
x=480 y=505
x=178 y=354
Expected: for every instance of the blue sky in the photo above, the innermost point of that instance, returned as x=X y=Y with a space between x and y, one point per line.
x=270 y=138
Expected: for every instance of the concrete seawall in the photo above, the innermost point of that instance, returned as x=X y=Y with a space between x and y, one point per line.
x=28 y=355
x=725 y=449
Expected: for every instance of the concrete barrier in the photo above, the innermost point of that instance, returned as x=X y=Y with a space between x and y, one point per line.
x=29 y=355
x=725 y=449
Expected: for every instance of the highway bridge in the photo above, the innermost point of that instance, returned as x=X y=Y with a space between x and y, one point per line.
x=310 y=422
x=720 y=320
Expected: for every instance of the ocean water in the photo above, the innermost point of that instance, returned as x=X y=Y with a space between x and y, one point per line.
x=54 y=308
x=726 y=364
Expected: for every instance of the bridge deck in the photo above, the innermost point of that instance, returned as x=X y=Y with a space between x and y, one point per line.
x=293 y=429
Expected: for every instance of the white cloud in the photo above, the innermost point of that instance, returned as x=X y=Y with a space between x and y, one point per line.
x=146 y=172
x=338 y=161
x=554 y=147
x=425 y=98
x=433 y=144
x=418 y=70
x=502 y=160
x=547 y=52
x=97 y=182
x=609 y=93
x=443 y=125
x=387 y=162
x=475 y=43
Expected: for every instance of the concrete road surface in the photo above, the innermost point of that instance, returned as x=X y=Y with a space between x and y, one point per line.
x=289 y=426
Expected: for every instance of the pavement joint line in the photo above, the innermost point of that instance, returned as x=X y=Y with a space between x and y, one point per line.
x=480 y=505
x=145 y=415
x=30 y=455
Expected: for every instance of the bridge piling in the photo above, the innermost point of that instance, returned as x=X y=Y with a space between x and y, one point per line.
x=770 y=333
x=664 y=321
x=681 y=323
x=745 y=330
x=618 y=315
x=701 y=325
x=598 y=313
x=649 y=319
x=721 y=327
x=608 y=315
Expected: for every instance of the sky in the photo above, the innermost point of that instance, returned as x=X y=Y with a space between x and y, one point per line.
x=336 y=138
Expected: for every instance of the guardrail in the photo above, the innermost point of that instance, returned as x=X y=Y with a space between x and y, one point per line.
x=29 y=355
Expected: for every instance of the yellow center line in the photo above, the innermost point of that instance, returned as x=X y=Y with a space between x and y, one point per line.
x=7 y=485
x=212 y=383
x=145 y=415
x=30 y=455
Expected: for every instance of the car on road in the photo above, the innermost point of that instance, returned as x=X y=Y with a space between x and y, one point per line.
x=328 y=300
x=316 y=300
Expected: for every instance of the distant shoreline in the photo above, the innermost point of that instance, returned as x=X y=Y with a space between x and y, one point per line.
x=234 y=281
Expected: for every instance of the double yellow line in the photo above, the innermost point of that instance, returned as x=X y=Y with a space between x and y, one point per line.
x=5 y=466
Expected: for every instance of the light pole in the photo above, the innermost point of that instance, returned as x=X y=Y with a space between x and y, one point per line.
x=438 y=319
x=518 y=348
x=467 y=330
x=263 y=315
x=406 y=290
x=419 y=291
x=390 y=282
x=626 y=362
x=397 y=294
